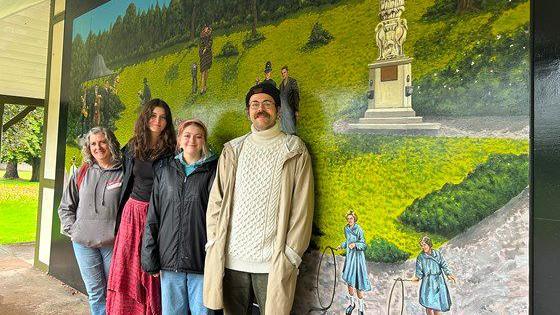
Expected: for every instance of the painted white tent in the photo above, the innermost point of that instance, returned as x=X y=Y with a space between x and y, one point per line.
x=24 y=32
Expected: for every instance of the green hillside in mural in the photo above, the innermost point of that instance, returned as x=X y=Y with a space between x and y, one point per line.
x=378 y=176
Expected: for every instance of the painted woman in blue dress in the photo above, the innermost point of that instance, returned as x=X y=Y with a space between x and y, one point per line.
x=355 y=269
x=432 y=269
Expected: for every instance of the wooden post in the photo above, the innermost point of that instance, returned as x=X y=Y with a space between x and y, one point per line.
x=1 y=123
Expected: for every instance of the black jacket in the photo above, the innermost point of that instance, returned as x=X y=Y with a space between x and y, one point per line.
x=128 y=179
x=290 y=93
x=126 y=189
x=175 y=232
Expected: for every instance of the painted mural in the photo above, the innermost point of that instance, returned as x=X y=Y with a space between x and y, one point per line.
x=415 y=112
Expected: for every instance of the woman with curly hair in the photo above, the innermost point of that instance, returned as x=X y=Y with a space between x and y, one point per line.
x=130 y=289
x=88 y=212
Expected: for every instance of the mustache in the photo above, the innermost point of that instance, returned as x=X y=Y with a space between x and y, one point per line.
x=264 y=114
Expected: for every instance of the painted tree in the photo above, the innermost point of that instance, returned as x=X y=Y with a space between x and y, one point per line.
x=81 y=64
x=465 y=5
x=174 y=23
x=190 y=15
x=131 y=22
x=22 y=141
x=136 y=33
x=254 y=13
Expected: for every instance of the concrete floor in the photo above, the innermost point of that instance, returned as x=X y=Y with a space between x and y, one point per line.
x=24 y=290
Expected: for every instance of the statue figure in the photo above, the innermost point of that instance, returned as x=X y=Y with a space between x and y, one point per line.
x=84 y=112
x=97 y=107
x=400 y=33
x=391 y=31
x=380 y=39
x=391 y=9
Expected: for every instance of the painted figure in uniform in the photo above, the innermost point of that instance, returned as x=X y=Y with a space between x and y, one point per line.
x=268 y=74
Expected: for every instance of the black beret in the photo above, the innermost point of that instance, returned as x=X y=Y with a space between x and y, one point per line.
x=266 y=89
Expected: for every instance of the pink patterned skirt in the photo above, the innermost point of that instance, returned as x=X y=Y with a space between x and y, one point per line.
x=130 y=290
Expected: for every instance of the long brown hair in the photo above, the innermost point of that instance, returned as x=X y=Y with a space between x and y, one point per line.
x=141 y=138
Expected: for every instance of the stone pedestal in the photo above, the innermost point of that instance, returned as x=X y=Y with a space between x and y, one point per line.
x=390 y=100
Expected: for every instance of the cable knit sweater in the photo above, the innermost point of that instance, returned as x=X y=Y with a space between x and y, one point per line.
x=255 y=202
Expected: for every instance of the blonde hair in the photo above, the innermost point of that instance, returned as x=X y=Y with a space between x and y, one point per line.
x=352 y=213
x=426 y=240
x=184 y=124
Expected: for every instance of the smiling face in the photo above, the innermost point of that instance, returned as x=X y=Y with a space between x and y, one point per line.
x=158 y=121
x=192 y=141
x=262 y=111
x=351 y=220
x=99 y=148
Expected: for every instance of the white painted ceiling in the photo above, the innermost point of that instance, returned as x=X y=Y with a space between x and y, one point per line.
x=24 y=30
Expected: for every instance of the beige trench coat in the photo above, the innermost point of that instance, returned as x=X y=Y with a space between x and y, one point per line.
x=295 y=216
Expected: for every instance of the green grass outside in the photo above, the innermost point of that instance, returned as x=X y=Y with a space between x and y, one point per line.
x=387 y=173
x=18 y=209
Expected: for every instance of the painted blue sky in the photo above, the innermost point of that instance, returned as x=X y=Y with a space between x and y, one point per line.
x=101 y=18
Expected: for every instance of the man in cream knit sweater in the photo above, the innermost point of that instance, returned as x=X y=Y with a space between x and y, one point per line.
x=259 y=214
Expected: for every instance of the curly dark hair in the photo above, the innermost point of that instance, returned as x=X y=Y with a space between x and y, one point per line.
x=141 y=139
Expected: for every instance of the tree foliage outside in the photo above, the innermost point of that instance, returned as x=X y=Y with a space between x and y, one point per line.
x=381 y=250
x=18 y=209
x=456 y=207
x=22 y=141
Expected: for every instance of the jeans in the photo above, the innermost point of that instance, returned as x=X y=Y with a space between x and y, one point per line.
x=181 y=292
x=94 y=267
